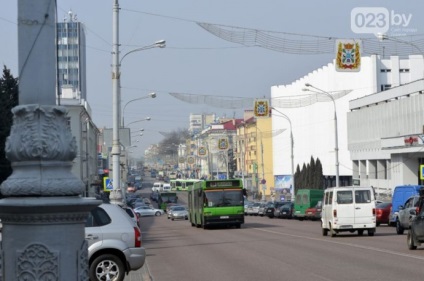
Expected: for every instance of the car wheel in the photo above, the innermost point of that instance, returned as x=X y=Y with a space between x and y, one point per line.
x=410 y=241
x=324 y=231
x=332 y=231
x=378 y=224
x=371 y=232
x=157 y=213
x=172 y=219
x=399 y=228
x=238 y=225
x=107 y=267
x=360 y=232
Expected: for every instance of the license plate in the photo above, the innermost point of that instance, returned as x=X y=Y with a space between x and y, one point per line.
x=284 y=213
x=224 y=217
x=309 y=213
x=269 y=211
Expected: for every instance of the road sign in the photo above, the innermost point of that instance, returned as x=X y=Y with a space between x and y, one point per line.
x=107 y=184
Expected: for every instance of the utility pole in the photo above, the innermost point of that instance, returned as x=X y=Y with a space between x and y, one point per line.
x=116 y=194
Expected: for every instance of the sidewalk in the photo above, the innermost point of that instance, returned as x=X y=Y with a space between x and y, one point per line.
x=143 y=274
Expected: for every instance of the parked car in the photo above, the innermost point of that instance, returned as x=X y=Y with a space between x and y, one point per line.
x=123 y=251
x=133 y=215
x=148 y=211
x=406 y=213
x=263 y=207
x=382 y=212
x=415 y=235
x=179 y=212
x=314 y=213
x=399 y=197
x=286 y=211
x=253 y=209
x=270 y=211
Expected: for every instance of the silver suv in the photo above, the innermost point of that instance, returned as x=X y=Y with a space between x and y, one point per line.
x=406 y=213
x=114 y=243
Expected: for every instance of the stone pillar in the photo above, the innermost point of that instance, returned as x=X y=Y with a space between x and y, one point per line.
x=43 y=213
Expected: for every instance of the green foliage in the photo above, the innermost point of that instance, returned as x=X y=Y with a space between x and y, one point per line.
x=310 y=176
x=8 y=100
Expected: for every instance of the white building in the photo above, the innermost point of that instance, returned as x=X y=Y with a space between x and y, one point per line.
x=312 y=113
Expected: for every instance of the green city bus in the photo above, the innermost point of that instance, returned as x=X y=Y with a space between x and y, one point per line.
x=216 y=202
x=166 y=197
x=175 y=184
x=188 y=183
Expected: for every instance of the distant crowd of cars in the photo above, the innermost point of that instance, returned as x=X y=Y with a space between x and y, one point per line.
x=280 y=210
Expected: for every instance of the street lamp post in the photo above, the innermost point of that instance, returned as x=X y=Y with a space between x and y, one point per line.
x=151 y=95
x=291 y=151
x=336 y=149
x=116 y=102
x=263 y=182
x=144 y=119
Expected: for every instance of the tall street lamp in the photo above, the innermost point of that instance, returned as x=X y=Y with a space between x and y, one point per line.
x=322 y=92
x=144 y=119
x=291 y=150
x=151 y=95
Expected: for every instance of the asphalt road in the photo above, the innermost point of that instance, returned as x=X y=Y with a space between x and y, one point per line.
x=274 y=249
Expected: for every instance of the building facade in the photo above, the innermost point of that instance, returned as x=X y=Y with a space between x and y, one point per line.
x=312 y=113
x=71 y=57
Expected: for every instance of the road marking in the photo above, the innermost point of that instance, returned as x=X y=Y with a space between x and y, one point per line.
x=345 y=244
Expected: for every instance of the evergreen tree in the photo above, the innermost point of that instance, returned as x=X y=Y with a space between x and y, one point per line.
x=8 y=100
x=319 y=177
x=297 y=178
x=311 y=174
x=304 y=175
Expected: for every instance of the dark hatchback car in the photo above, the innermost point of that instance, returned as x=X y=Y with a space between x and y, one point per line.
x=415 y=235
x=271 y=210
x=286 y=211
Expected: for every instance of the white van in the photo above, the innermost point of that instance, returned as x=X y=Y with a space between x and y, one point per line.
x=166 y=187
x=157 y=186
x=348 y=208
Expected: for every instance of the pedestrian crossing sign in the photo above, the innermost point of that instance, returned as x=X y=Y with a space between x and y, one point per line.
x=422 y=172
x=107 y=184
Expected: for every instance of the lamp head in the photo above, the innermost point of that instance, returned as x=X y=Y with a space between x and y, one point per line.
x=148 y=118
x=152 y=95
x=308 y=85
x=161 y=43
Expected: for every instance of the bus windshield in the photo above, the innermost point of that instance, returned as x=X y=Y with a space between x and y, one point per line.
x=169 y=198
x=223 y=198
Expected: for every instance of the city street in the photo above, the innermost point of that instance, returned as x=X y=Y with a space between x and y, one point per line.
x=265 y=249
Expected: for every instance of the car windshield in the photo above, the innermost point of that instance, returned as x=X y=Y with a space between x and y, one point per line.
x=178 y=209
x=221 y=198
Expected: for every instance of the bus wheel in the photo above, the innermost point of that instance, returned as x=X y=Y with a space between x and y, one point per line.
x=192 y=224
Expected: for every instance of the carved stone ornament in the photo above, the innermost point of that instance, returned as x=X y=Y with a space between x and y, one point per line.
x=41 y=148
x=83 y=262
x=37 y=263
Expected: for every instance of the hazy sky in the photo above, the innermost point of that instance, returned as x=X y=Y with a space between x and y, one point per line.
x=197 y=62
